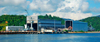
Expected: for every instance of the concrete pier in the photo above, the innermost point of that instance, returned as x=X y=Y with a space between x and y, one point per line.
x=30 y=32
x=19 y=32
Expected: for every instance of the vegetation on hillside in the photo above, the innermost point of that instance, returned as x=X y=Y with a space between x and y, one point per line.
x=20 y=20
x=3 y=26
x=13 y=20
x=94 y=21
x=52 y=18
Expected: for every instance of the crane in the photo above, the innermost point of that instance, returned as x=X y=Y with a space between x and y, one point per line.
x=30 y=21
x=27 y=11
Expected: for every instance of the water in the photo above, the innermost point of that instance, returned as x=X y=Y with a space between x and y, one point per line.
x=77 y=37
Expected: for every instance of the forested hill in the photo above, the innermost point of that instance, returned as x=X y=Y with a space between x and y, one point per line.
x=13 y=20
x=20 y=20
x=94 y=21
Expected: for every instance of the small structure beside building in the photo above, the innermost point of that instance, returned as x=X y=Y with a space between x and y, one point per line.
x=90 y=28
x=14 y=28
x=46 y=30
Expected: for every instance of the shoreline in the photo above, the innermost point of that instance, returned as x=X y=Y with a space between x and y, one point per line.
x=30 y=32
x=36 y=32
x=86 y=32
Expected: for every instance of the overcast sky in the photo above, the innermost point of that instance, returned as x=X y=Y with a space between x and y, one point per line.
x=72 y=9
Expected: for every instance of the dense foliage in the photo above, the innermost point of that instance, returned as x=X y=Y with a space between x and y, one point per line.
x=52 y=18
x=1 y=27
x=94 y=21
x=20 y=20
x=13 y=20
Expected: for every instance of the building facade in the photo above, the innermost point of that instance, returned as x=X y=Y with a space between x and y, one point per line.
x=14 y=28
x=37 y=23
x=46 y=23
x=76 y=25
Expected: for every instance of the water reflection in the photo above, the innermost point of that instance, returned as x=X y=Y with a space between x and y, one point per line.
x=50 y=38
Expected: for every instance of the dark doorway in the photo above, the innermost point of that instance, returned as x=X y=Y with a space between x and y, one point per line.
x=34 y=25
x=68 y=23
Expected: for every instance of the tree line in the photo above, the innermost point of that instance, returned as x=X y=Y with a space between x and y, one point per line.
x=94 y=21
x=13 y=20
x=20 y=20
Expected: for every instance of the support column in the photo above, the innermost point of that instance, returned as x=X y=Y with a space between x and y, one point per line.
x=31 y=25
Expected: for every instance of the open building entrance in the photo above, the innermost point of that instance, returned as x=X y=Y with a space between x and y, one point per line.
x=34 y=25
x=68 y=24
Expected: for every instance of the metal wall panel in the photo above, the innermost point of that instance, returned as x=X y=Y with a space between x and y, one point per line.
x=50 y=23
x=80 y=26
x=14 y=28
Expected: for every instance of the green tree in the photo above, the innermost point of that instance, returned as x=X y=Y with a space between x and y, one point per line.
x=94 y=21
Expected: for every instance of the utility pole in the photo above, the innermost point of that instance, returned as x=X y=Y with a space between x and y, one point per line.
x=54 y=23
x=70 y=24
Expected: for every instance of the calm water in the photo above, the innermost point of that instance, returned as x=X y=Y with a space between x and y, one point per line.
x=78 y=37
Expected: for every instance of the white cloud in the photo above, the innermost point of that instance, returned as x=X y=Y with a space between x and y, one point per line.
x=97 y=10
x=44 y=5
x=1 y=9
x=75 y=5
x=75 y=16
x=84 y=6
x=41 y=5
x=12 y=2
x=13 y=6
x=97 y=0
x=72 y=9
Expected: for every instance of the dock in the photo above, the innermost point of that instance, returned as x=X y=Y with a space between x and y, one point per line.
x=18 y=32
x=30 y=32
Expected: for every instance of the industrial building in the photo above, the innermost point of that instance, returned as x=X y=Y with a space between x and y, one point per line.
x=76 y=25
x=14 y=28
x=34 y=23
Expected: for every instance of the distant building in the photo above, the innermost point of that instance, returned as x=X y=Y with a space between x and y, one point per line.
x=36 y=23
x=14 y=28
x=76 y=25
x=90 y=28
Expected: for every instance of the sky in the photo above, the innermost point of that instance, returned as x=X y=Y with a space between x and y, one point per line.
x=69 y=9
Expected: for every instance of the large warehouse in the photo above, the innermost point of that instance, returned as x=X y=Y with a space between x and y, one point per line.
x=36 y=23
x=76 y=25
